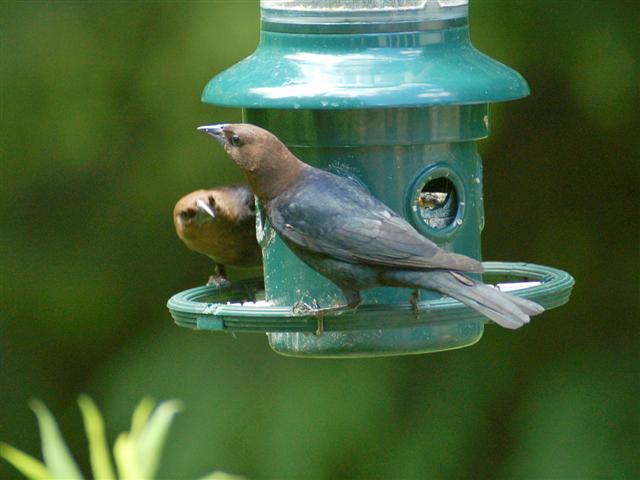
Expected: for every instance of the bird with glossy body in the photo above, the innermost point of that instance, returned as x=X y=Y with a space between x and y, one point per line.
x=349 y=236
x=220 y=223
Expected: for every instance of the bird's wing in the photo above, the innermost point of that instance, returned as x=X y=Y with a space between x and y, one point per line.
x=331 y=215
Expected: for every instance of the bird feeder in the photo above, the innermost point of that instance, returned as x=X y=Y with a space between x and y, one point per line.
x=394 y=95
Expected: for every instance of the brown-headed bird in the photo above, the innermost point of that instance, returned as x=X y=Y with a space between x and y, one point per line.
x=349 y=236
x=220 y=223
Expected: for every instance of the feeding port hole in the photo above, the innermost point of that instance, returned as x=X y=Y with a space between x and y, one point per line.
x=438 y=203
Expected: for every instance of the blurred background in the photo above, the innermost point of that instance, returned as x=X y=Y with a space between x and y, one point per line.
x=99 y=104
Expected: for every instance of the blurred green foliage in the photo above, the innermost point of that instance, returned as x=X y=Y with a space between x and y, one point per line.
x=99 y=101
x=136 y=453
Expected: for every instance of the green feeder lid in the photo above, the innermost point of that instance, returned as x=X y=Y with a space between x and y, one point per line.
x=313 y=57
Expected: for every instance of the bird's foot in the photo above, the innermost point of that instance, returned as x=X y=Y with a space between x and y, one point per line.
x=320 y=329
x=250 y=293
x=218 y=282
x=303 y=308
x=414 y=300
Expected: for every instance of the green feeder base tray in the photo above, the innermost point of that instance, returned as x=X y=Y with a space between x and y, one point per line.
x=370 y=331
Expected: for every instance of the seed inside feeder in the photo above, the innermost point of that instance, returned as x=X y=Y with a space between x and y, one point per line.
x=438 y=203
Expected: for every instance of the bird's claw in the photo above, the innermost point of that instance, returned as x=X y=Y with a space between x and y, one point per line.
x=218 y=282
x=414 y=300
x=303 y=308
x=250 y=293
x=320 y=329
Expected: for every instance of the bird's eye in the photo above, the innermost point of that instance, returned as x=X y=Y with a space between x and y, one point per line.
x=235 y=141
x=187 y=214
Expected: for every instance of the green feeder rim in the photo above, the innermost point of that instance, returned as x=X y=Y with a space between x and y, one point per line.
x=211 y=308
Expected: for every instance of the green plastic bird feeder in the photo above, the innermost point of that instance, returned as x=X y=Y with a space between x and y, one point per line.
x=394 y=95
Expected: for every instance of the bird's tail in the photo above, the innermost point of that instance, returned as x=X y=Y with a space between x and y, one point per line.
x=506 y=310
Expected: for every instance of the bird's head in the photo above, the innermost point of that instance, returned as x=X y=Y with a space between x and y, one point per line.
x=250 y=147
x=267 y=162
x=194 y=210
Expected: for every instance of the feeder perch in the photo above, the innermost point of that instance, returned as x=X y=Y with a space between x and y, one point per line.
x=393 y=95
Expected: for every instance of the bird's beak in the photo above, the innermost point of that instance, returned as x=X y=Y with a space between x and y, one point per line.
x=206 y=208
x=216 y=131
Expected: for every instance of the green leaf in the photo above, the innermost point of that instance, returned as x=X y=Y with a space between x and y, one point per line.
x=126 y=458
x=54 y=450
x=29 y=466
x=98 y=449
x=221 y=476
x=152 y=437
x=141 y=414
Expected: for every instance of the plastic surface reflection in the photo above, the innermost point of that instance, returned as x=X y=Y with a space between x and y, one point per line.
x=339 y=11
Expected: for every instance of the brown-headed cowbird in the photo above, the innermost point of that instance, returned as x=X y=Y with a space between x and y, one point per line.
x=352 y=238
x=220 y=223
